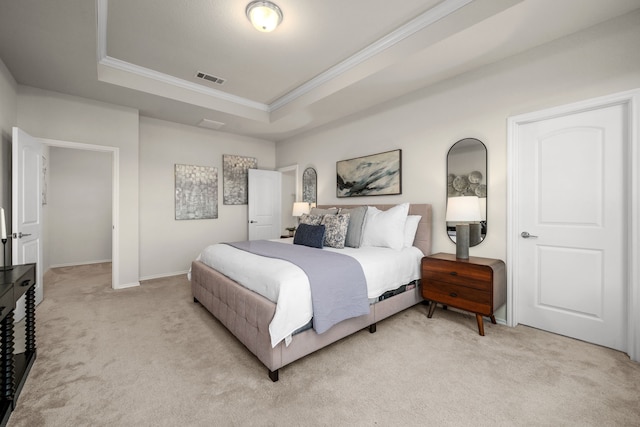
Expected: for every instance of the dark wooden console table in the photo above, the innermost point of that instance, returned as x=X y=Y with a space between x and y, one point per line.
x=14 y=368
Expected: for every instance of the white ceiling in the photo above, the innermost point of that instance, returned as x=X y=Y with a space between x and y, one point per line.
x=327 y=60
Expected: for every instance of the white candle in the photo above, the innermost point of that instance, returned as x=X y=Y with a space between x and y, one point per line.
x=4 y=224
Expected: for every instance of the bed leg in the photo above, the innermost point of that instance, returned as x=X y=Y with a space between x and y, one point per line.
x=372 y=328
x=273 y=375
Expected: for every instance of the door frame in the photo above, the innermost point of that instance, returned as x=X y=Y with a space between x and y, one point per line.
x=295 y=170
x=630 y=99
x=115 y=197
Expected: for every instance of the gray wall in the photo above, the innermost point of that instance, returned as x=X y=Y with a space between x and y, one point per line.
x=78 y=207
x=8 y=119
x=601 y=60
x=52 y=115
x=168 y=246
x=152 y=243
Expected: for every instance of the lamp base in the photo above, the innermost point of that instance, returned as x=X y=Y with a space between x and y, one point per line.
x=475 y=236
x=462 y=241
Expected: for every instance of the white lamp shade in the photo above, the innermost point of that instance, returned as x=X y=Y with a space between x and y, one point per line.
x=300 y=208
x=463 y=209
x=264 y=15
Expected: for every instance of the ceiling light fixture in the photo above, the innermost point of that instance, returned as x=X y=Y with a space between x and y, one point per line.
x=264 y=15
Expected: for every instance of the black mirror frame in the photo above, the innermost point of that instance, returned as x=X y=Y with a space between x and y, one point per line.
x=470 y=188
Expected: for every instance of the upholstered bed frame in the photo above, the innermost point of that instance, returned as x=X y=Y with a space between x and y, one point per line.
x=247 y=314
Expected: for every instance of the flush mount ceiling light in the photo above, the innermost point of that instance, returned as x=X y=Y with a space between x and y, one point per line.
x=264 y=15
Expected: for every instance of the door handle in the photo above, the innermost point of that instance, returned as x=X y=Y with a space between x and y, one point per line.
x=252 y=222
x=20 y=235
x=526 y=235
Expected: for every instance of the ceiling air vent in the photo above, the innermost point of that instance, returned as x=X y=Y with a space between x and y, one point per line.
x=209 y=77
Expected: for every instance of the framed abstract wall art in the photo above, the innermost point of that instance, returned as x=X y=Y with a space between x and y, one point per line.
x=375 y=175
x=235 y=178
x=196 y=192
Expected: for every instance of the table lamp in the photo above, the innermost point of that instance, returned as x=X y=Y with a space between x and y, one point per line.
x=299 y=209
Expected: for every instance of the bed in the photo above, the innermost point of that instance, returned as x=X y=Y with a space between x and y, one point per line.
x=248 y=315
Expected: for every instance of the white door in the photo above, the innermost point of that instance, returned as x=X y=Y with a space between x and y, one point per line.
x=571 y=272
x=264 y=204
x=26 y=210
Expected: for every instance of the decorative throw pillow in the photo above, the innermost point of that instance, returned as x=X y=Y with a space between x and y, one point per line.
x=309 y=235
x=356 y=225
x=385 y=228
x=311 y=219
x=336 y=231
x=410 y=228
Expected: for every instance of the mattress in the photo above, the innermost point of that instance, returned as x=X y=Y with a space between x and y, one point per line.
x=288 y=286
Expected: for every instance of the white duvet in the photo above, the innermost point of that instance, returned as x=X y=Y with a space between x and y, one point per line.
x=288 y=286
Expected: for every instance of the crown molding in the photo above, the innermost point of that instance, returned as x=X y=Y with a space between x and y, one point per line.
x=417 y=24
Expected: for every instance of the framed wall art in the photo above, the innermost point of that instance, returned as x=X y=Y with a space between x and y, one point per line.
x=235 y=178
x=196 y=192
x=375 y=175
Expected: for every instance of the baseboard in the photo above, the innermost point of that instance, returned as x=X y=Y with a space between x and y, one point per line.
x=127 y=285
x=160 y=276
x=73 y=264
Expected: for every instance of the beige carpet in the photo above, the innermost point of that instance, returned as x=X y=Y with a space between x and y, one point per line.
x=149 y=356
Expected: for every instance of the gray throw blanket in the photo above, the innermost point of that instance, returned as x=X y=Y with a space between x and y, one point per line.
x=338 y=285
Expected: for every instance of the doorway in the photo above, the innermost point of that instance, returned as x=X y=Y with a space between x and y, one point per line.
x=572 y=221
x=290 y=194
x=113 y=154
x=78 y=207
x=29 y=195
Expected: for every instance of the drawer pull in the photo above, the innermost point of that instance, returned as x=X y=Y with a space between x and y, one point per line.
x=25 y=282
x=453 y=294
x=454 y=273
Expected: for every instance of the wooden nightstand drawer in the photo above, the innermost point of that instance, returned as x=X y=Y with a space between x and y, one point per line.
x=481 y=284
x=458 y=296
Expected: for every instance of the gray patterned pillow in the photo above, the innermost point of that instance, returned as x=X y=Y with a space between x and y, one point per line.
x=311 y=219
x=335 y=230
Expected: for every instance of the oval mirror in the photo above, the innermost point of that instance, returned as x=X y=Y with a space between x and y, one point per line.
x=467 y=176
x=309 y=186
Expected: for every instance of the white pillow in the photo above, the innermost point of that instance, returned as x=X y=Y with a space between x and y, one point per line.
x=385 y=228
x=410 y=228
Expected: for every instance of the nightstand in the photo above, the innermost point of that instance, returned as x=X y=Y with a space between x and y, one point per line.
x=478 y=285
